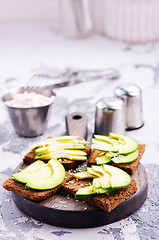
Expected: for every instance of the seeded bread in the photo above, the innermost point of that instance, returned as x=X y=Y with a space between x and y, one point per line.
x=33 y=195
x=107 y=203
x=68 y=164
x=127 y=167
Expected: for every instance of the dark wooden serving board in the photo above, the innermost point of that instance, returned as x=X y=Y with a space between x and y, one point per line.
x=66 y=211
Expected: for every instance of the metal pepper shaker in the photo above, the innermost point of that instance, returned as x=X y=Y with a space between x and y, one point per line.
x=131 y=94
x=110 y=116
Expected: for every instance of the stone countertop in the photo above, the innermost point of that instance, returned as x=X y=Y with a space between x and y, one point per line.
x=28 y=48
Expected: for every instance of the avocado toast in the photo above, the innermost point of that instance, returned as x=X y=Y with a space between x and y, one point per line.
x=103 y=153
x=94 y=185
x=38 y=181
x=68 y=163
x=106 y=199
x=109 y=188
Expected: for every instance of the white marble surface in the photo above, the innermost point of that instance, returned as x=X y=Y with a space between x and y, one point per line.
x=38 y=47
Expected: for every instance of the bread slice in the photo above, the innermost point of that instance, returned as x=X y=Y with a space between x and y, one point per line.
x=127 y=167
x=33 y=195
x=68 y=164
x=102 y=201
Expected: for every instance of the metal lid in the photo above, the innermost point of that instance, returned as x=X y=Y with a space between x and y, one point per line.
x=110 y=103
x=128 y=89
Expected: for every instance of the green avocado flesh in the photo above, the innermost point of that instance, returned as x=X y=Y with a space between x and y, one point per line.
x=109 y=179
x=89 y=191
x=82 y=175
x=118 y=148
x=66 y=147
x=41 y=176
x=129 y=145
x=103 y=159
x=126 y=158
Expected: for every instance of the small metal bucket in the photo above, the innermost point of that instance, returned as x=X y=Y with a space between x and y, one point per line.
x=32 y=121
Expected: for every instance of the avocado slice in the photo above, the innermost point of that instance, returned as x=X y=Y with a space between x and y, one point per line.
x=108 y=179
x=90 y=191
x=69 y=147
x=106 y=139
x=130 y=145
x=103 y=159
x=113 y=178
x=82 y=175
x=69 y=154
x=85 y=192
x=104 y=146
x=57 y=177
x=119 y=178
x=24 y=175
x=95 y=173
x=102 y=182
x=114 y=143
x=131 y=157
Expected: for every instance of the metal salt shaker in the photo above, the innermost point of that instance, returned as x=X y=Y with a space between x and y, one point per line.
x=132 y=96
x=76 y=18
x=110 y=116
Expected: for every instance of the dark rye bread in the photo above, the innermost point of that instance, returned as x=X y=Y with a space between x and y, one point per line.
x=68 y=164
x=127 y=167
x=107 y=203
x=33 y=195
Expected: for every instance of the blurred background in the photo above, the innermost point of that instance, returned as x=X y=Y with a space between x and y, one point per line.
x=39 y=35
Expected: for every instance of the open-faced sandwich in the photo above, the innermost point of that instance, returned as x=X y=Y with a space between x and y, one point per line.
x=117 y=150
x=39 y=180
x=105 y=184
x=69 y=150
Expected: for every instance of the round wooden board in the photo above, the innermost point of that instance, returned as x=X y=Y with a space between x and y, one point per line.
x=65 y=211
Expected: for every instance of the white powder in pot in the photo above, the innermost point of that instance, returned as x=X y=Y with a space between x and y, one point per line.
x=29 y=100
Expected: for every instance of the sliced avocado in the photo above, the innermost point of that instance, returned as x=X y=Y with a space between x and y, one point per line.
x=103 y=159
x=72 y=146
x=90 y=191
x=117 y=143
x=57 y=177
x=43 y=157
x=82 y=175
x=102 y=182
x=108 y=191
x=61 y=155
x=85 y=192
x=107 y=180
x=103 y=146
x=24 y=175
x=61 y=147
x=75 y=152
x=129 y=145
x=119 y=178
x=95 y=173
x=66 y=138
x=106 y=139
x=99 y=169
x=126 y=158
x=69 y=156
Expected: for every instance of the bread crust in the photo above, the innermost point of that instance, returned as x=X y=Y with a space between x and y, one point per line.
x=127 y=167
